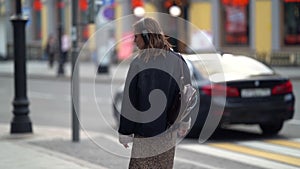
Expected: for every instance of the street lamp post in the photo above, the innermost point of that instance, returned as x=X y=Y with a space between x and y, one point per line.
x=21 y=122
x=75 y=75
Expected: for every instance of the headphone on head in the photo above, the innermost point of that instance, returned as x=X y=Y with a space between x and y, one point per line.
x=145 y=33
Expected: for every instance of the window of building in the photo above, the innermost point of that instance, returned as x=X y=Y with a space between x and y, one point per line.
x=60 y=14
x=235 y=22
x=291 y=13
x=36 y=19
x=83 y=27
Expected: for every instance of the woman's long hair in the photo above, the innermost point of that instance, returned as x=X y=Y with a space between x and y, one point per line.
x=156 y=39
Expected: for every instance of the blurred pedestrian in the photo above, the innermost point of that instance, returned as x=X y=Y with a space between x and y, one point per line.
x=65 y=47
x=50 y=50
x=147 y=120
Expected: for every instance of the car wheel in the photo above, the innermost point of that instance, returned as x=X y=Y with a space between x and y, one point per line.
x=271 y=128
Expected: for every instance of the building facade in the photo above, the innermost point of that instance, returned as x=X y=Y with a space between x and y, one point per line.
x=259 y=28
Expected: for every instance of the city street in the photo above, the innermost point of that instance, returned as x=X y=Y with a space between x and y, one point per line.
x=63 y=60
x=236 y=147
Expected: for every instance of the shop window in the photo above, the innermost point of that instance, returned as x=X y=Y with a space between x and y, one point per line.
x=235 y=22
x=61 y=13
x=291 y=22
x=36 y=19
x=83 y=30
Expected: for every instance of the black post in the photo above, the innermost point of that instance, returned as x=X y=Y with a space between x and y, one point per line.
x=75 y=75
x=21 y=122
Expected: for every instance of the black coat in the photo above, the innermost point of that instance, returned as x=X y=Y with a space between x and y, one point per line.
x=138 y=116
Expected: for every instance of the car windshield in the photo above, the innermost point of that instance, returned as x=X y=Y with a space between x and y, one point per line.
x=229 y=64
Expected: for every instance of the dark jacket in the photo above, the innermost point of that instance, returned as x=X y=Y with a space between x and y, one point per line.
x=138 y=116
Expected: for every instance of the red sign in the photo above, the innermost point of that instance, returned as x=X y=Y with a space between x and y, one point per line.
x=137 y=3
x=83 y=5
x=37 y=5
x=168 y=3
x=60 y=4
x=235 y=2
x=291 y=1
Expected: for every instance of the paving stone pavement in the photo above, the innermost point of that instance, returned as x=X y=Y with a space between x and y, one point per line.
x=21 y=150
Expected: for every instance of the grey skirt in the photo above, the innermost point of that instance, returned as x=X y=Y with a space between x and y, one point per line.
x=153 y=153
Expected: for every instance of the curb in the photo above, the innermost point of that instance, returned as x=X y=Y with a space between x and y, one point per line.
x=106 y=80
x=64 y=157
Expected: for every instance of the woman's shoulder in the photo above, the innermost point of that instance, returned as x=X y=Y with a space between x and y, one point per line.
x=136 y=62
x=135 y=59
x=175 y=54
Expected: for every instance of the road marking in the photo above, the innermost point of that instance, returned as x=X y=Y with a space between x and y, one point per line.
x=258 y=153
x=115 y=140
x=182 y=160
x=272 y=148
x=218 y=150
x=296 y=139
x=294 y=122
x=233 y=156
x=264 y=154
x=292 y=144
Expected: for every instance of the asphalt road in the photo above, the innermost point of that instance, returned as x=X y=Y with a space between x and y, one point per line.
x=50 y=105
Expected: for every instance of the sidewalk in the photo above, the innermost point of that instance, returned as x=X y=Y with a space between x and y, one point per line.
x=20 y=150
x=288 y=71
x=87 y=71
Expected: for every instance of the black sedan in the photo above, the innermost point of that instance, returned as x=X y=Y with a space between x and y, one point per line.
x=254 y=93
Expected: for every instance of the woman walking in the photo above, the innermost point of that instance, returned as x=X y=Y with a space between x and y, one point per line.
x=150 y=102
